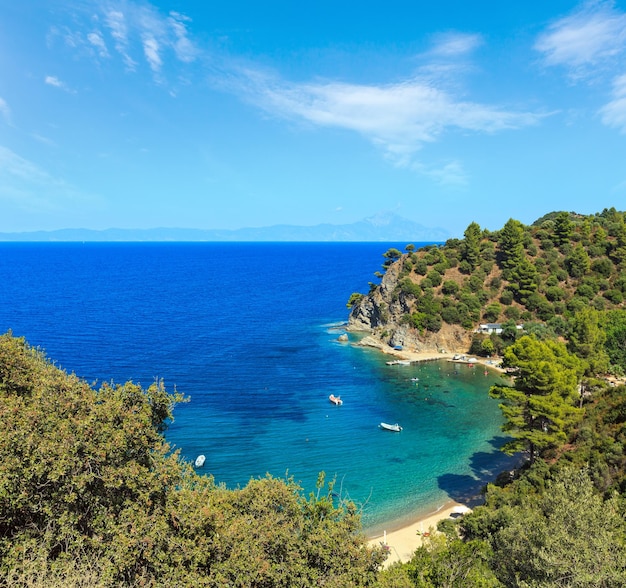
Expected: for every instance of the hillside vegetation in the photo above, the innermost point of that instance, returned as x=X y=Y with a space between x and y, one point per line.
x=560 y=278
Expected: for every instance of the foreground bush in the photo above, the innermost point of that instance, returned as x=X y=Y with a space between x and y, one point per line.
x=91 y=495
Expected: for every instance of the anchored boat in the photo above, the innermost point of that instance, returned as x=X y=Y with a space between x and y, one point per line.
x=387 y=427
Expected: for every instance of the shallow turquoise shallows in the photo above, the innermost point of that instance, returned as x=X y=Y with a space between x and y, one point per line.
x=250 y=333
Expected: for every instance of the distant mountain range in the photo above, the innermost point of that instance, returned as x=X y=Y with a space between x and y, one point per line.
x=384 y=226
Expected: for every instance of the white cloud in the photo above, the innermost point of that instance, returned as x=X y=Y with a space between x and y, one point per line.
x=97 y=40
x=53 y=81
x=57 y=83
x=118 y=28
x=151 y=51
x=586 y=39
x=455 y=44
x=614 y=113
x=399 y=118
x=135 y=32
x=184 y=48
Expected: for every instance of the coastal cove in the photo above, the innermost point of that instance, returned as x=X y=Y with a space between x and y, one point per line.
x=250 y=333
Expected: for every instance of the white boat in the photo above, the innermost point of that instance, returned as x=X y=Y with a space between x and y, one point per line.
x=336 y=400
x=200 y=461
x=396 y=428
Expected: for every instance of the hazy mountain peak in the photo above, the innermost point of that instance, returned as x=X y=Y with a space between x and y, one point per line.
x=383 y=226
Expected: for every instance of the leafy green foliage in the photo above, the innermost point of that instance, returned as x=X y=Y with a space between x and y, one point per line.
x=560 y=533
x=355 y=298
x=471 y=247
x=614 y=327
x=586 y=340
x=88 y=485
x=452 y=563
x=511 y=244
x=540 y=408
x=563 y=229
x=390 y=256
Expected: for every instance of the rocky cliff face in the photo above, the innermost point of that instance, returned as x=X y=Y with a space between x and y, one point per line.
x=381 y=312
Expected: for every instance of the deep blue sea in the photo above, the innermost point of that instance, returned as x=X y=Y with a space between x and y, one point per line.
x=249 y=332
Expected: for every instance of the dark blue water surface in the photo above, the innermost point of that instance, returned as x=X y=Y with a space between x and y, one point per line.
x=249 y=332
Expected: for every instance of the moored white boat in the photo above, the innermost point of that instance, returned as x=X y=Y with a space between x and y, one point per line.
x=336 y=400
x=200 y=461
x=396 y=428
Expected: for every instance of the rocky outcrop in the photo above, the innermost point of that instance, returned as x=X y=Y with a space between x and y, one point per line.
x=382 y=313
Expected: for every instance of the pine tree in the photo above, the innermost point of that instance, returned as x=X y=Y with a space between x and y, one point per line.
x=540 y=407
x=471 y=246
x=511 y=245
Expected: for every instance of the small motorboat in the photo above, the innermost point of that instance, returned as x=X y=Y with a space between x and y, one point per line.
x=336 y=400
x=387 y=427
x=200 y=461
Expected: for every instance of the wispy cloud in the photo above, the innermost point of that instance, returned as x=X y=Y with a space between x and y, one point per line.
x=591 y=45
x=97 y=40
x=185 y=50
x=399 y=118
x=57 y=83
x=44 y=140
x=455 y=44
x=451 y=173
x=134 y=32
x=26 y=186
x=614 y=113
x=585 y=40
x=151 y=51
x=5 y=111
x=118 y=29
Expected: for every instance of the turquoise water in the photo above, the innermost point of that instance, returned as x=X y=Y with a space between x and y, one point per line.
x=249 y=332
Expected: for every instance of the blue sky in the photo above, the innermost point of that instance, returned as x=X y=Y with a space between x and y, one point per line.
x=226 y=113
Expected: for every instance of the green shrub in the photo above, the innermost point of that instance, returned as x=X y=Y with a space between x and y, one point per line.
x=512 y=312
x=434 y=277
x=421 y=267
x=449 y=287
x=506 y=297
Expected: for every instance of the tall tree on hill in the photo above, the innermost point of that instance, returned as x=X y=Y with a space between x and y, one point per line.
x=511 y=245
x=618 y=249
x=563 y=229
x=586 y=340
x=524 y=279
x=471 y=245
x=540 y=407
x=577 y=262
x=614 y=325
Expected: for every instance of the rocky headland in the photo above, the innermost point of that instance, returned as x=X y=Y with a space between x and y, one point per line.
x=381 y=316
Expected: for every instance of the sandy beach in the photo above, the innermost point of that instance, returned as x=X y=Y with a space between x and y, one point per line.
x=417 y=356
x=404 y=541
